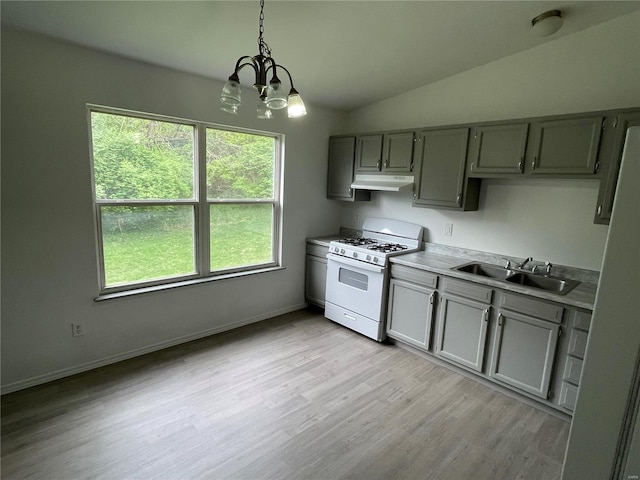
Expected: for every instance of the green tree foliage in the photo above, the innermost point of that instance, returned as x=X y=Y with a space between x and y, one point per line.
x=239 y=165
x=141 y=159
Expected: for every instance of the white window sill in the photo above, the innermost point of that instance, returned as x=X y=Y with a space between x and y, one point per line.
x=181 y=283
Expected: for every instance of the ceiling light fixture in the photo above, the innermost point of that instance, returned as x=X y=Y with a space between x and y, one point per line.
x=272 y=96
x=547 y=23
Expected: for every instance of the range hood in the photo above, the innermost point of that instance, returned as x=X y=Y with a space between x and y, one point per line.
x=386 y=183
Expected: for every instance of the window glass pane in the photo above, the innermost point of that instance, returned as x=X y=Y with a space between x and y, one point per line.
x=241 y=235
x=147 y=243
x=135 y=158
x=239 y=165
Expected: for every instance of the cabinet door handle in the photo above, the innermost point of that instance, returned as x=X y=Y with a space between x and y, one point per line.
x=386 y=163
x=599 y=210
x=500 y=317
x=597 y=167
x=520 y=165
x=411 y=167
x=459 y=198
x=432 y=298
x=473 y=166
x=533 y=163
x=378 y=164
x=485 y=315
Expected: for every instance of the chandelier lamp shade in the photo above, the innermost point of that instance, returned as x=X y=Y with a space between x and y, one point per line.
x=272 y=95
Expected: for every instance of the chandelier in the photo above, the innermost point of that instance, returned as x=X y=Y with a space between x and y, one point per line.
x=272 y=96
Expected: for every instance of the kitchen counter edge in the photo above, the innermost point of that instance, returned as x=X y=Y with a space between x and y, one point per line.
x=323 y=241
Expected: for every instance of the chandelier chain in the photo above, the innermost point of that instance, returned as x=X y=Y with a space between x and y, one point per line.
x=262 y=45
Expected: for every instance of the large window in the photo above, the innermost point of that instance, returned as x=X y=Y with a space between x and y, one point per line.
x=179 y=200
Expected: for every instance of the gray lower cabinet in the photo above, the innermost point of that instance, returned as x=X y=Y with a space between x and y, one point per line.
x=523 y=352
x=440 y=157
x=463 y=323
x=512 y=339
x=340 y=170
x=316 y=274
x=412 y=302
x=571 y=365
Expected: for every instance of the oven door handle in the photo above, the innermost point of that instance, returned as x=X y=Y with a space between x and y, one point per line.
x=355 y=263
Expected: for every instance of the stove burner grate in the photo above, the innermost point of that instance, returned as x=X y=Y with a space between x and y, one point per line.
x=358 y=241
x=387 y=247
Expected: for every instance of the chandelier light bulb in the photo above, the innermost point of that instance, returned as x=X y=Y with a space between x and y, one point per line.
x=276 y=99
x=296 y=105
x=263 y=112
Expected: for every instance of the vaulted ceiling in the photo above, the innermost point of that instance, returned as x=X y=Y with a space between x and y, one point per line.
x=341 y=54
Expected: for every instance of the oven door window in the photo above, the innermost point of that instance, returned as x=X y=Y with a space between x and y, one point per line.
x=353 y=279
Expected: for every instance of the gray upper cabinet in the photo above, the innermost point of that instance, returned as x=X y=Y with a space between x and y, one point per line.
x=340 y=170
x=566 y=146
x=524 y=348
x=369 y=153
x=387 y=153
x=498 y=149
x=606 y=195
x=440 y=156
x=397 y=152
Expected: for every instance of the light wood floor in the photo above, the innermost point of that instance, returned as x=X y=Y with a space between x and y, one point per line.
x=295 y=397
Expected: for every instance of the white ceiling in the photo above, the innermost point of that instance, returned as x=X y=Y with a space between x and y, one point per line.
x=341 y=54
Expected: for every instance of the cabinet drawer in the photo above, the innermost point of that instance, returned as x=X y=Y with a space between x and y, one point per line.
x=468 y=290
x=317 y=250
x=414 y=275
x=577 y=343
x=572 y=370
x=568 y=396
x=581 y=320
x=529 y=306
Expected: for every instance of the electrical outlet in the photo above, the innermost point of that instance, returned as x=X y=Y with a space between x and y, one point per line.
x=448 y=229
x=77 y=330
x=357 y=217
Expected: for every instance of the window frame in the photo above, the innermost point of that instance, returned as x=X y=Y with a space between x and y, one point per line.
x=200 y=203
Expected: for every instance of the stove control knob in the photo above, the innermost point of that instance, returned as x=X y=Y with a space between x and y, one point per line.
x=342 y=251
x=355 y=255
x=375 y=259
x=368 y=258
x=336 y=249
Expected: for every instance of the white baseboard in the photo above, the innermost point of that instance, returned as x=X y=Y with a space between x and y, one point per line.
x=66 y=372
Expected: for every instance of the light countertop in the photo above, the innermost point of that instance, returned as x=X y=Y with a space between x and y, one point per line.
x=582 y=296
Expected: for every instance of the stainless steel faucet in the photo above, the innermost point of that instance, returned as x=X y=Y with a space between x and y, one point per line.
x=526 y=260
x=547 y=268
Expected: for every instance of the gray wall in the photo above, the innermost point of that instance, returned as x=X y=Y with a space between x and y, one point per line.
x=597 y=68
x=49 y=268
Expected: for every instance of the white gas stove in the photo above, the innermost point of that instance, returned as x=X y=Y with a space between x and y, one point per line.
x=357 y=273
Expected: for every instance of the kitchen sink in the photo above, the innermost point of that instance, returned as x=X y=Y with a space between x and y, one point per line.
x=553 y=284
x=557 y=285
x=485 y=270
